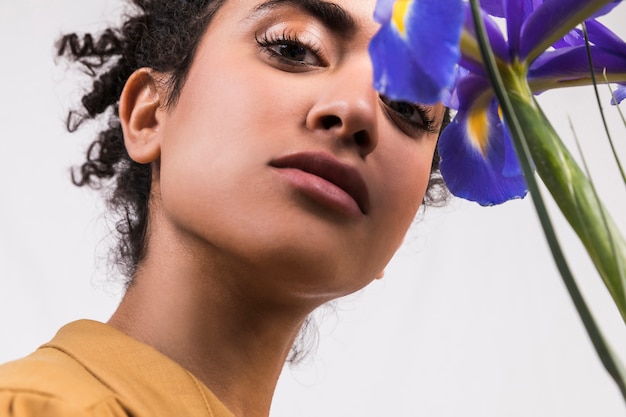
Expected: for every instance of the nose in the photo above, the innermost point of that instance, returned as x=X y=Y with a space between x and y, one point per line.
x=346 y=108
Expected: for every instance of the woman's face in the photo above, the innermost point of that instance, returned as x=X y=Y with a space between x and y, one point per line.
x=281 y=157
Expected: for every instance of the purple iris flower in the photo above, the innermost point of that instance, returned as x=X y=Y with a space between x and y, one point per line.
x=478 y=159
x=540 y=50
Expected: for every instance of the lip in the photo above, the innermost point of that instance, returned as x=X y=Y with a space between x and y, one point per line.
x=326 y=179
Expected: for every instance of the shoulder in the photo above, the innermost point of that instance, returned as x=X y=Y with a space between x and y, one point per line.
x=93 y=370
x=49 y=383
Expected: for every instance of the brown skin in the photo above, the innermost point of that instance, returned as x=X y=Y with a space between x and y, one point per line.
x=237 y=256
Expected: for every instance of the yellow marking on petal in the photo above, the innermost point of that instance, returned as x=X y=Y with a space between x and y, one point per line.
x=478 y=129
x=400 y=10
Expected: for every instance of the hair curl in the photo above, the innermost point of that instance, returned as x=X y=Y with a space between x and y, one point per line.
x=437 y=193
x=162 y=35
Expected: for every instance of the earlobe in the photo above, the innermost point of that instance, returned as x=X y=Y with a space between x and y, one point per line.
x=381 y=274
x=139 y=109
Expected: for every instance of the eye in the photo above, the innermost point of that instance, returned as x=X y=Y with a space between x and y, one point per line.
x=406 y=110
x=290 y=51
x=294 y=52
x=415 y=116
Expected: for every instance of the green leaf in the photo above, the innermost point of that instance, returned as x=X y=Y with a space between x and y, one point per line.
x=574 y=194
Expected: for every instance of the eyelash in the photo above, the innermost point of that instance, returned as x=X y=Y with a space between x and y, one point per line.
x=268 y=40
x=426 y=123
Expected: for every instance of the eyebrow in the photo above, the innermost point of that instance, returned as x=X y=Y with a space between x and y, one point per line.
x=332 y=15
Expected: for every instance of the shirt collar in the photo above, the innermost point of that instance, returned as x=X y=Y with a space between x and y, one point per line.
x=144 y=379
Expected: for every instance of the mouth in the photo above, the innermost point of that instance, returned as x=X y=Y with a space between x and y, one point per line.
x=327 y=179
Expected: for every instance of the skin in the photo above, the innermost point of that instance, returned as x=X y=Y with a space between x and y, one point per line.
x=238 y=254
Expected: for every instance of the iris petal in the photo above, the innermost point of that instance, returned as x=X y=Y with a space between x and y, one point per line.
x=551 y=21
x=471 y=89
x=603 y=37
x=620 y=94
x=396 y=73
x=475 y=159
x=494 y=34
x=383 y=11
x=567 y=64
x=493 y=7
x=450 y=96
x=516 y=13
x=434 y=29
x=598 y=35
x=415 y=52
x=573 y=38
x=512 y=167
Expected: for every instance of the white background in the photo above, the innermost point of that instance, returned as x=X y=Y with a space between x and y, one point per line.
x=471 y=318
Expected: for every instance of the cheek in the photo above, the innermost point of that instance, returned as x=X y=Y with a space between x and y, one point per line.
x=406 y=178
x=217 y=140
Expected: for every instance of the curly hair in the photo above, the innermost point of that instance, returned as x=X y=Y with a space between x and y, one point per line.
x=162 y=35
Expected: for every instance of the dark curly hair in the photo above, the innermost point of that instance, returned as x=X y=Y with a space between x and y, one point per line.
x=162 y=35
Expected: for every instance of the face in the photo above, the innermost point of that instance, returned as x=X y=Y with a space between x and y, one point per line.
x=281 y=157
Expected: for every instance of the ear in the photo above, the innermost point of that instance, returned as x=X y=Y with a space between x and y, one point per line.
x=139 y=111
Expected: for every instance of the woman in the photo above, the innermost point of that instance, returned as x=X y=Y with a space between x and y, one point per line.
x=259 y=176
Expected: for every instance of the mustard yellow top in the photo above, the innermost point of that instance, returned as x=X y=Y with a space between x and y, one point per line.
x=91 y=369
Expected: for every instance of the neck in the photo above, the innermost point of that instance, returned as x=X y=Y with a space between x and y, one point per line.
x=230 y=340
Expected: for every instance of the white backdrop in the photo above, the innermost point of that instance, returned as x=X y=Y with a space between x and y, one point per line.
x=471 y=318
